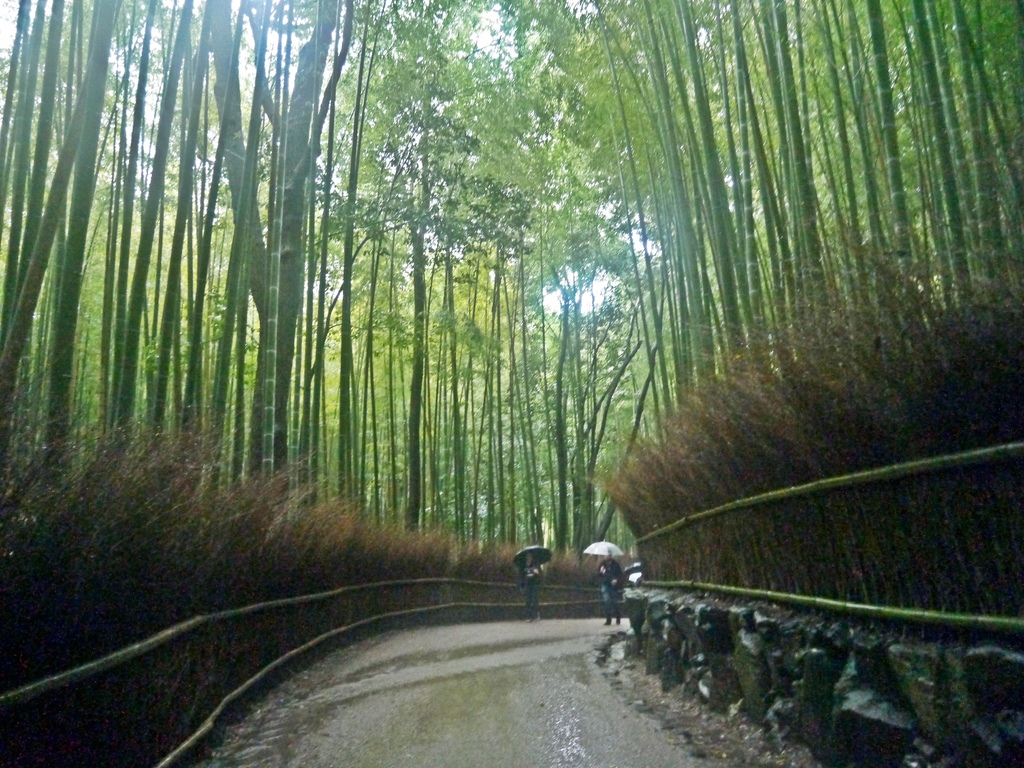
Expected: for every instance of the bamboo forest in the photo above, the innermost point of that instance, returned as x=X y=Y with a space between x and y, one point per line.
x=451 y=258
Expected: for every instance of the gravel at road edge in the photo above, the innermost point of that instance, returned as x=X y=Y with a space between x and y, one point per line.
x=724 y=740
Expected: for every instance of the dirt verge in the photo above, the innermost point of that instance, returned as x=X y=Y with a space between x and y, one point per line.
x=721 y=739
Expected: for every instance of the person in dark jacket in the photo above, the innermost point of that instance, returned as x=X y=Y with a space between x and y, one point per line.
x=530 y=582
x=610 y=574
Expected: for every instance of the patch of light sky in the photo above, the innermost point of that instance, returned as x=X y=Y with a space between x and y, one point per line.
x=591 y=296
x=582 y=9
x=8 y=25
x=489 y=38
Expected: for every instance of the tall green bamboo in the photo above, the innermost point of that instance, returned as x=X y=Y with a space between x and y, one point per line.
x=10 y=99
x=128 y=364
x=346 y=436
x=65 y=325
x=458 y=447
x=44 y=128
x=648 y=300
x=418 y=232
x=855 y=69
x=985 y=200
x=723 y=235
x=17 y=262
x=128 y=222
x=560 y=436
x=940 y=139
x=887 y=115
x=85 y=124
x=848 y=208
x=270 y=425
x=170 y=320
x=194 y=376
x=535 y=524
x=692 y=319
x=244 y=201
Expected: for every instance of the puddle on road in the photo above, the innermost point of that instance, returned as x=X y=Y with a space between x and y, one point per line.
x=487 y=717
x=483 y=705
x=406 y=661
x=492 y=717
x=467 y=709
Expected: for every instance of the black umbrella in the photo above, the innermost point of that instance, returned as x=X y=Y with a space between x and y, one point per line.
x=540 y=555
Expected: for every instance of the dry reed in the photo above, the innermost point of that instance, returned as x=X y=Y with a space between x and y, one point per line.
x=129 y=537
x=907 y=377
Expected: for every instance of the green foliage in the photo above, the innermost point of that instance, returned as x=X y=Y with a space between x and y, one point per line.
x=688 y=175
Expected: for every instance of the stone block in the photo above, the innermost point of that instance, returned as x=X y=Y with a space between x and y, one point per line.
x=995 y=678
x=917 y=669
x=712 y=628
x=652 y=652
x=657 y=608
x=995 y=741
x=870 y=730
x=634 y=605
x=741 y=618
x=781 y=718
x=752 y=671
x=671 y=669
x=719 y=686
x=958 y=699
x=868 y=667
x=814 y=699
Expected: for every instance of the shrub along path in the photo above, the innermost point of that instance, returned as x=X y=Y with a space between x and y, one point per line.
x=504 y=694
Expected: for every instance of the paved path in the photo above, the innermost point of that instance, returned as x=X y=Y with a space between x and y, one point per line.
x=501 y=695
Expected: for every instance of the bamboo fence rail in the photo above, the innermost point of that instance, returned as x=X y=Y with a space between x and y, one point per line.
x=942 y=534
x=995 y=624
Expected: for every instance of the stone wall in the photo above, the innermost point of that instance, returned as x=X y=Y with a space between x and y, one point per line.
x=856 y=694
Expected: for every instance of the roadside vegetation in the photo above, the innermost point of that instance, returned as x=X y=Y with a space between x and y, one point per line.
x=452 y=256
x=435 y=266
x=904 y=378
x=835 y=392
x=134 y=536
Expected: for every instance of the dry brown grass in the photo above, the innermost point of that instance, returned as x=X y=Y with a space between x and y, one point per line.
x=834 y=392
x=131 y=537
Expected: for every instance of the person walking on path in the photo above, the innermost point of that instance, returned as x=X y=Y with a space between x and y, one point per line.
x=610 y=574
x=530 y=582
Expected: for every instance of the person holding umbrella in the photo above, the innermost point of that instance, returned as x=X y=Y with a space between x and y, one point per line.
x=531 y=588
x=529 y=561
x=610 y=574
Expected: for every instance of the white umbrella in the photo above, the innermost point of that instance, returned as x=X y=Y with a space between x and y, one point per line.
x=603 y=548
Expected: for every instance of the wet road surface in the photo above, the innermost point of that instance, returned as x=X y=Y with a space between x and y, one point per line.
x=504 y=694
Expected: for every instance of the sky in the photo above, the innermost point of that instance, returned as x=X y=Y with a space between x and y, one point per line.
x=8 y=18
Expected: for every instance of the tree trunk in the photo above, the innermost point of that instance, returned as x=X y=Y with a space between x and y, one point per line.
x=10 y=98
x=17 y=262
x=561 y=432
